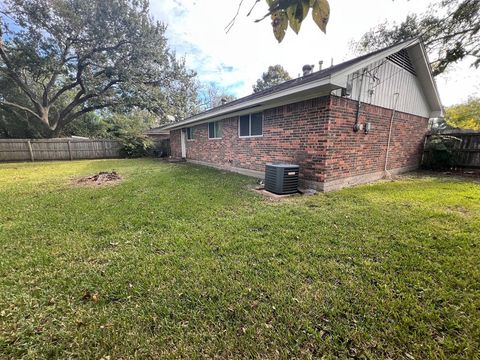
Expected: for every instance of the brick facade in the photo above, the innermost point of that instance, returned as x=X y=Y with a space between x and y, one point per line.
x=175 y=144
x=351 y=154
x=316 y=134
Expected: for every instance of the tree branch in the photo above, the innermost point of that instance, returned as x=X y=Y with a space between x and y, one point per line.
x=14 y=76
x=104 y=48
x=232 y=22
x=55 y=75
x=77 y=82
x=7 y=103
x=75 y=115
x=81 y=100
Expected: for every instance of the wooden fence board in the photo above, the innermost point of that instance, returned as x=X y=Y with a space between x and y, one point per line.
x=57 y=149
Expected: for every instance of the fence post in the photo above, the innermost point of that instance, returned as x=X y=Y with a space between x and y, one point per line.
x=70 y=150
x=30 y=150
x=104 y=149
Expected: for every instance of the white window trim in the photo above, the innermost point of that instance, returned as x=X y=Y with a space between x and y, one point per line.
x=208 y=130
x=249 y=127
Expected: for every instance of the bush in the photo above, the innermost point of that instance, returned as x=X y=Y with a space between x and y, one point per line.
x=136 y=146
x=441 y=151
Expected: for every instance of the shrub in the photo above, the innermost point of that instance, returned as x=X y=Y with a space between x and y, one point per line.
x=136 y=146
x=441 y=150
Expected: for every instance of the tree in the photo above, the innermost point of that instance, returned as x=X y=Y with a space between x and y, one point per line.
x=450 y=31
x=275 y=75
x=211 y=95
x=71 y=57
x=290 y=12
x=464 y=116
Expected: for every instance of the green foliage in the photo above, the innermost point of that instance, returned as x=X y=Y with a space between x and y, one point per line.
x=292 y=12
x=464 y=116
x=91 y=125
x=450 y=31
x=130 y=130
x=135 y=146
x=441 y=151
x=70 y=57
x=275 y=75
x=187 y=262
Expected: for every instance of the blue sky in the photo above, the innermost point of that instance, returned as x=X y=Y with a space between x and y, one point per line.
x=235 y=60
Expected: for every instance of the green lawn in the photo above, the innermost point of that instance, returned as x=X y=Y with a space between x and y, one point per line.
x=185 y=261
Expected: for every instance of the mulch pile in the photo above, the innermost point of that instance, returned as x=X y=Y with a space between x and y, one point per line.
x=102 y=178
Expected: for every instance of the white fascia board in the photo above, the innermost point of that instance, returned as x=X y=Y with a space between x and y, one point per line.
x=433 y=82
x=250 y=105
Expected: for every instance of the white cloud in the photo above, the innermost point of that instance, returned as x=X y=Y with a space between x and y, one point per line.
x=235 y=60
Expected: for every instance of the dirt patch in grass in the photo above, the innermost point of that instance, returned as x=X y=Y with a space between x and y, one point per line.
x=101 y=179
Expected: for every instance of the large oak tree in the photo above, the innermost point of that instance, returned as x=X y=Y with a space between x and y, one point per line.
x=71 y=57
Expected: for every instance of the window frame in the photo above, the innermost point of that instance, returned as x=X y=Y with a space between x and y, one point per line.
x=250 y=126
x=220 y=129
x=190 y=134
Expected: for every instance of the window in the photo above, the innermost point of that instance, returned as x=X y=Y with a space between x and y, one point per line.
x=251 y=125
x=190 y=134
x=215 y=130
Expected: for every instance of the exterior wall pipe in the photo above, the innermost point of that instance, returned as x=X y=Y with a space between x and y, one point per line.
x=396 y=95
x=355 y=126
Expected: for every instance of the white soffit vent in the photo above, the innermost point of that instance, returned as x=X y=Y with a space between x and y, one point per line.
x=402 y=59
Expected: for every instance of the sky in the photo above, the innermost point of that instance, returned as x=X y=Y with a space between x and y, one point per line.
x=234 y=61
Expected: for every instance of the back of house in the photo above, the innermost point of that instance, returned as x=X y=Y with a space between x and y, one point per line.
x=348 y=124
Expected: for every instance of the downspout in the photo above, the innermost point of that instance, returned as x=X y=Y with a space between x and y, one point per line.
x=356 y=126
x=387 y=174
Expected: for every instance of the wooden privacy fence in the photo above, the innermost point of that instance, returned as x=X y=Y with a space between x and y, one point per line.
x=466 y=152
x=57 y=149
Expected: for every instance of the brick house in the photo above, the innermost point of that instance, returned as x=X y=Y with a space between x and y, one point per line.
x=348 y=124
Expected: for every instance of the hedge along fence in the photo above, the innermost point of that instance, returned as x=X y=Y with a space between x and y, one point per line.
x=57 y=149
x=452 y=149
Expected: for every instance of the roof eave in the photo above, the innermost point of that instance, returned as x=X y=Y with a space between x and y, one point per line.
x=254 y=102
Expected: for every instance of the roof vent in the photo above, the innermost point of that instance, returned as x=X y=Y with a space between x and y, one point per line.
x=320 y=65
x=223 y=101
x=307 y=69
x=402 y=59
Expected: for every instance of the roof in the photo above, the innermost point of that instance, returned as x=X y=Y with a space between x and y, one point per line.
x=323 y=78
x=157 y=131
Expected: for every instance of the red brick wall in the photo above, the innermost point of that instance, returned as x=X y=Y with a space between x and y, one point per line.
x=316 y=134
x=351 y=154
x=292 y=133
x=175 y=144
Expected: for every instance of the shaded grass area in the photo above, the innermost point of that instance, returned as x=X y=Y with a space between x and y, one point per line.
x=185 y=261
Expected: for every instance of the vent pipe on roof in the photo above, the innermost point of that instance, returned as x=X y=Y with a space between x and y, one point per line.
x=307 y=69
x=223 y=101
x=320 y=65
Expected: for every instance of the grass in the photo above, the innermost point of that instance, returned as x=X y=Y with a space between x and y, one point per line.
x=185 y=261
